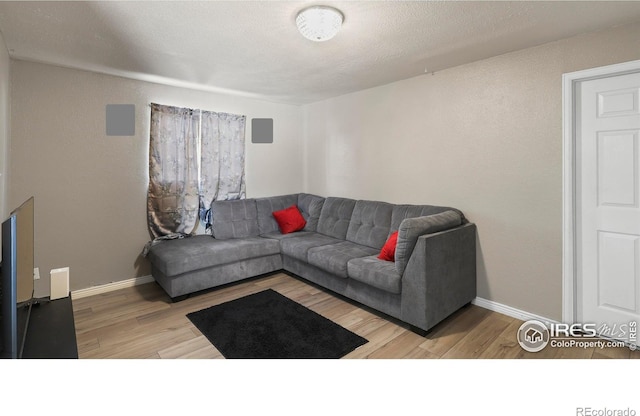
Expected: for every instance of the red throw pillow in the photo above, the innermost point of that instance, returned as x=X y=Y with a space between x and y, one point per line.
x=289 y=219
x=388 y=251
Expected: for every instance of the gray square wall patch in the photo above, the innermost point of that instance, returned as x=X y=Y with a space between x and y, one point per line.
x=121 y=119
x=262 y=130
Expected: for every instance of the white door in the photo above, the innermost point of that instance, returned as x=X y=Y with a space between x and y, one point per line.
x=608 y=204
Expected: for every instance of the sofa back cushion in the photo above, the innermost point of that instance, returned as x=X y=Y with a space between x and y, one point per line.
x=335 y=216
x=267 y=206
x=370 y=223
x=310 y=206
x=412 y=228
x=234 y=219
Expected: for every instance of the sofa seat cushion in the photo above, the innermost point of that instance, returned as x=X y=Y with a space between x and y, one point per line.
x=174 y=257
x=298 y=246
x=334 y=258
x=375 y=272
x=279 y=236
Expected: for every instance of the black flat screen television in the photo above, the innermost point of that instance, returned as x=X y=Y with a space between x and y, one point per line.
x=16 y=292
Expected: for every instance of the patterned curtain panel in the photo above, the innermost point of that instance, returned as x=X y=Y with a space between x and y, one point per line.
x=222 y=158
x=173 y=197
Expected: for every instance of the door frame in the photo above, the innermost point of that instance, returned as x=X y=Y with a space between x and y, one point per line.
x=570 y=86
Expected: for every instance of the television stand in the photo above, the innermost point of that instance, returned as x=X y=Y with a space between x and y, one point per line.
x=51 y=332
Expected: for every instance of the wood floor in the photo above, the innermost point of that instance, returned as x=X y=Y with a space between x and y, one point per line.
x=142 y=322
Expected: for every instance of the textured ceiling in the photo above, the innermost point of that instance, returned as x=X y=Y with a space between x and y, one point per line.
x=254 y=49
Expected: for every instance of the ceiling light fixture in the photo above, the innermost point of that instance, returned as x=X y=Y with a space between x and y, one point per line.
x=319 y=23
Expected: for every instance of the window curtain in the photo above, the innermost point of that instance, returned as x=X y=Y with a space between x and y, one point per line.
x=195 y=157
x=222 y=174
x=173 y=197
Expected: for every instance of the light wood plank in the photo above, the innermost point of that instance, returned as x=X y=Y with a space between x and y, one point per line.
x=142 y=322
x=198 y=347
x=399 y=347
x=478 y=339
x=449 y=332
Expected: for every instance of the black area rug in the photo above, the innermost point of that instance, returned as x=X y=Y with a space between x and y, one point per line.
x=269 y=325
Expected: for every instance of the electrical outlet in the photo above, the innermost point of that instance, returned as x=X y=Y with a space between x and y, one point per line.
x=36 y=273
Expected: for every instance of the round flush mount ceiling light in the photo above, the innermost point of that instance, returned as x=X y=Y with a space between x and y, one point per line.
x=319 y=23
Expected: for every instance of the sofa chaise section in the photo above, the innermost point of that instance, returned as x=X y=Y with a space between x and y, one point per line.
x=188 y=265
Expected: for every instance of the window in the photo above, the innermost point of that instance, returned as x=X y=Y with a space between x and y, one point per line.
x=195 y=157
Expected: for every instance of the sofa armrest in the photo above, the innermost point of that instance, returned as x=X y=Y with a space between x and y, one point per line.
x=440 y=276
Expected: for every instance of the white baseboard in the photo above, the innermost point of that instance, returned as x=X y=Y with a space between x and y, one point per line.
x=109 y=287
x=510 y=311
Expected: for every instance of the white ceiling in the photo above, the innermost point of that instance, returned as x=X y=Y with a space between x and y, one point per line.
x=253 y=48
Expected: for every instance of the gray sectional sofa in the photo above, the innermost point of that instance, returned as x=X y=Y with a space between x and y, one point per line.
x=433 y=275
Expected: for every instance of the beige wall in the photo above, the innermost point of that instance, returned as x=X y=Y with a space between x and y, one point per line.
x=4 y=129
x=484 y=137
x=90 y=189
